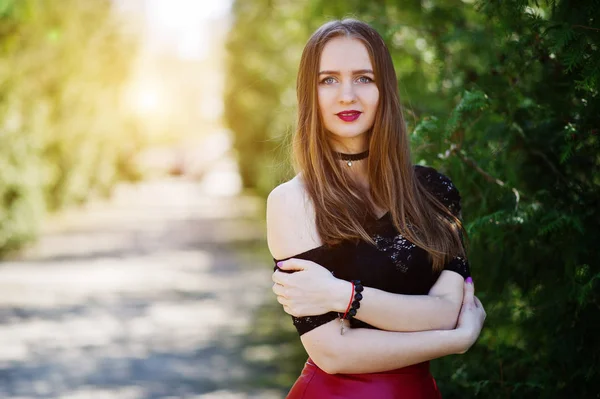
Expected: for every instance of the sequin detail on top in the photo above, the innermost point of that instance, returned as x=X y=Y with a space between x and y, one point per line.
x=397 y=248
x=442 y=188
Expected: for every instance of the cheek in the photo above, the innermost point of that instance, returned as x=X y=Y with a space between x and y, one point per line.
x=326 y=99
x=375 y=104
x=372 y=97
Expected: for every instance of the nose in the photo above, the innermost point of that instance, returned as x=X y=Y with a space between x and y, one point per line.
x=347 y=95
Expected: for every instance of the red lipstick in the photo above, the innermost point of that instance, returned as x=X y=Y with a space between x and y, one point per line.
x=349 y=116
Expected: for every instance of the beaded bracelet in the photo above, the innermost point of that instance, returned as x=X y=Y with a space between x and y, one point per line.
x=353 y=306
x=358 y=288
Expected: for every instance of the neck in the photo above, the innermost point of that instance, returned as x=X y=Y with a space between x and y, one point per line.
x=357 y=170
x=347 y=151
x=350 y=145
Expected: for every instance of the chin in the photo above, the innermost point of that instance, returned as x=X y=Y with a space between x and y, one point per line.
x=348 y=133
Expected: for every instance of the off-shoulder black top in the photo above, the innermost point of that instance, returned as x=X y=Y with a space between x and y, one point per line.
x=394 y=265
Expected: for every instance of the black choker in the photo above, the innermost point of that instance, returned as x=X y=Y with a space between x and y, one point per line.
x=351 y=157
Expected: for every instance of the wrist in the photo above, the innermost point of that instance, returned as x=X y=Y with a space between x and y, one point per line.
x=461 y=341
x=341 y=295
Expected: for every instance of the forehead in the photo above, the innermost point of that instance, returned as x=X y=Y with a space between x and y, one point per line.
x=345 y=54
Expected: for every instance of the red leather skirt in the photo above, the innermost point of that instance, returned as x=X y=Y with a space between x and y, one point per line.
x=412 y=382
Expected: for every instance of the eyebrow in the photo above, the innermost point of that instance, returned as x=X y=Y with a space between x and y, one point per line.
x=357 y=72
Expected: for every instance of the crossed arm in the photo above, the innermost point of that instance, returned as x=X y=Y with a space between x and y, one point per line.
x=363 y=350
x=396 y=312
x=366 y=350
x=387 y=311
x=428 y=323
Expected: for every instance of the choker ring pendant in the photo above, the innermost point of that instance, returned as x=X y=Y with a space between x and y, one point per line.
x=351 y=157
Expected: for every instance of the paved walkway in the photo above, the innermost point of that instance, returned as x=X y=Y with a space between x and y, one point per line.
x=142 y=297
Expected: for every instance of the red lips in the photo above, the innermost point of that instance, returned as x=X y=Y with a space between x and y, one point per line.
x=349 y=116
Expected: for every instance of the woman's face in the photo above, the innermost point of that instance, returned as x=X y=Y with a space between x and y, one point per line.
x=348 y=95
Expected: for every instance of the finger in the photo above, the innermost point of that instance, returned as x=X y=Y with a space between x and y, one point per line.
x=278 y=289
x=468 y=294
x=293 y=264
x=469 y=281
x=279 y=277
x=479 y=305
x=282 y=300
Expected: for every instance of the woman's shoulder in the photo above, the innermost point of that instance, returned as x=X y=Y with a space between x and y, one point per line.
x=431 y=175
x=289 y=190
x=441 y=186
x=287 y=197
x=290 y=220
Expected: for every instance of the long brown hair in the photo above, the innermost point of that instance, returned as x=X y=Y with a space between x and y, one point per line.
x=341 y=207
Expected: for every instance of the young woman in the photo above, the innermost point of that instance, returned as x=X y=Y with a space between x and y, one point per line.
x=370 y=261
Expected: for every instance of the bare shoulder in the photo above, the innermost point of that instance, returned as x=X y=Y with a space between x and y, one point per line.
x=286 y=195
x=290 y=220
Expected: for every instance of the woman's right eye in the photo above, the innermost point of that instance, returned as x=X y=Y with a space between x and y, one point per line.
x=328 y=80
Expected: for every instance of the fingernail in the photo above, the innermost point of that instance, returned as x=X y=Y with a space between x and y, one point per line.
x=469 y=280
x=279 y=264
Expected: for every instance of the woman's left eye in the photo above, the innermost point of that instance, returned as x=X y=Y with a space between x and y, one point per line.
x=365 y=79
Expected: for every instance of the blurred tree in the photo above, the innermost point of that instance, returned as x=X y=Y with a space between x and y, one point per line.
x=62 y=134
x=502 y=97
x=260 y=87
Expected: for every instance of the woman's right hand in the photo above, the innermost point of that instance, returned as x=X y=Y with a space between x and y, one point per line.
x=471 y=318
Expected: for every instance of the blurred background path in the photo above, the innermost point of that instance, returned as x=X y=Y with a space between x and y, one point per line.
x=145 y=296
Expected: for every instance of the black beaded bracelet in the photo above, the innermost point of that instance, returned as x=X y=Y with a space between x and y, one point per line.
x=358 y=288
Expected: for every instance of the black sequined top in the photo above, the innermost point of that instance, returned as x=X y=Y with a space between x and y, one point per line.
x=394 y=265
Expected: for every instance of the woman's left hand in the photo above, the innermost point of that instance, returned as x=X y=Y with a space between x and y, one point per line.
x=309 y=290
